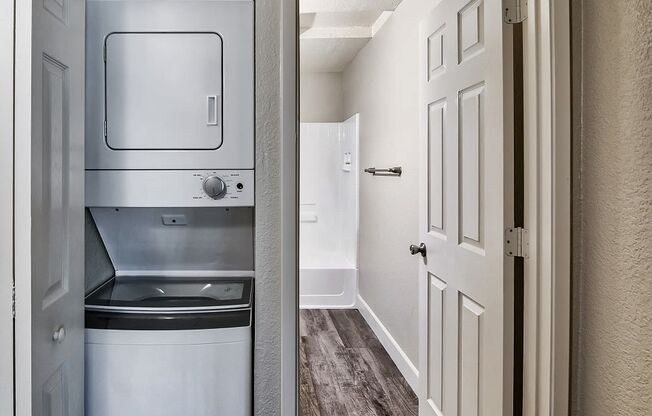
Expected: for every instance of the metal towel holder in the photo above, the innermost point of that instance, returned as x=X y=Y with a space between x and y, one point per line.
x=395 y=171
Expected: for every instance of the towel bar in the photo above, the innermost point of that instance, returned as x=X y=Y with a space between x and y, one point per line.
x=395 y=171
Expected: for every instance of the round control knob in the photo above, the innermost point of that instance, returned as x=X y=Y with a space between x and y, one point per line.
x=214 y=187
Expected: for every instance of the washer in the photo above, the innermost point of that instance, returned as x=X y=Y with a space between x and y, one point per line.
x=169 y=346
x=170 y=190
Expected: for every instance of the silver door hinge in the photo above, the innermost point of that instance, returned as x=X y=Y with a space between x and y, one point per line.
x=517 y=242
x=515 y=11
x=13 y=300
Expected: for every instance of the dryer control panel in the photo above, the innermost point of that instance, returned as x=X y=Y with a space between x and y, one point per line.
x=170 y=188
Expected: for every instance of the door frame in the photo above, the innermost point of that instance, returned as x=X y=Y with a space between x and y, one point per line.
x=289 y=55
x=22 y=207
x=547 y=157
x=6 y=207
x=547 y=153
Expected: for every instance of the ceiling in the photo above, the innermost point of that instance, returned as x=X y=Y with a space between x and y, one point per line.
x=334 y=31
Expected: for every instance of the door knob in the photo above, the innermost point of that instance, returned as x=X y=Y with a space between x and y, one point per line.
x=421 y=248
x=59 y=334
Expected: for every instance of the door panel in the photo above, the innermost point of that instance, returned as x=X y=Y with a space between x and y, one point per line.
x=471 y=116
x=163 y=91
x=49 y=209
x=6 y=206
x=436 y=146
x=52 y=222
x=435 y=340
x=465 y=205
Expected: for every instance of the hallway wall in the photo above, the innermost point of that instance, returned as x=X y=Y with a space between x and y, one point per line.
x=381 y=85
x=612 y=360
x=321 y=96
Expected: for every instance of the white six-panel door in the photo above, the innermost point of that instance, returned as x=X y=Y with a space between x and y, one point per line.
x=49 y=207
x=465 y=337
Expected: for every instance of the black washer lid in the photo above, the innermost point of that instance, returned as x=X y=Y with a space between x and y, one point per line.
x=158 y=294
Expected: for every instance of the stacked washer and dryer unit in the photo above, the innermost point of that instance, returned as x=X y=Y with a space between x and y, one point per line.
x=170 y=186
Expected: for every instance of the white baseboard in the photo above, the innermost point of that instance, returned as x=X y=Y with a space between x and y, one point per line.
x=394 y=350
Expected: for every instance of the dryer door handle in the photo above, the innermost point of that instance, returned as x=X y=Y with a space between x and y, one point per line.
x=213 y=110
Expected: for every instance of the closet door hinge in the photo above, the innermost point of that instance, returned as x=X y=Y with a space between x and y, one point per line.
x=517 y=242
x=515 y=11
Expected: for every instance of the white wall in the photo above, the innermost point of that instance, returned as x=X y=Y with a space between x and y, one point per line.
x=321 y=97
x=381 y=85
x=612 y=299
x=319 y=211
x=328 y=206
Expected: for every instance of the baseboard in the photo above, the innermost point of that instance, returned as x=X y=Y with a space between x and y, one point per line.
x=400 y=358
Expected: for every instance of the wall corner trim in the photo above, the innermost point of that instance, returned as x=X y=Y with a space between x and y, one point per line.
x=400 y=358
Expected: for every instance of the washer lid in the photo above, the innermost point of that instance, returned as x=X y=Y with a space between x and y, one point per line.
x=171 y=294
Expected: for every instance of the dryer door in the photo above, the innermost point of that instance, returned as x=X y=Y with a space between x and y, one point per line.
x=163 y=91
x=169 y=85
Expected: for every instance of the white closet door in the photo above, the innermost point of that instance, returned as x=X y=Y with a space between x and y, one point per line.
x=465 y=337
x=6 y=206
x=49 y=207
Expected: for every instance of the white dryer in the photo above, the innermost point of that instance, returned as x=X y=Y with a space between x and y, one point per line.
x=169 y=84
x=170 y=188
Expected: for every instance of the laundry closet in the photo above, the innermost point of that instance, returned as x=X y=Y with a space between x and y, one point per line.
x=169 y=192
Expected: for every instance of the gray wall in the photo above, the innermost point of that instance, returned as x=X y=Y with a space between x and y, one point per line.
x=612 y=333
x=267 y=346
x=276 y=206
x=322 y=100
x=97 y=264
x=381 y=85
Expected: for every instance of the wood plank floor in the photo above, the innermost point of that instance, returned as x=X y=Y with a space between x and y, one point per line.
x=344 y=370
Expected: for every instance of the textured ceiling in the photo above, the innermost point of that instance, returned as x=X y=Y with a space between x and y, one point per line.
x=334 y=31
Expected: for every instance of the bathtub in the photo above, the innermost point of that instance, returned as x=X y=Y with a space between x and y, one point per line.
x=327 y=287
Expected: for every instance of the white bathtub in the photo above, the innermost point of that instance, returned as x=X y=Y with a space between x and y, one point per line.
x=327 y=287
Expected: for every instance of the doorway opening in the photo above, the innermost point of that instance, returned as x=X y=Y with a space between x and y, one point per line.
x=349 y=362
x=411 y=181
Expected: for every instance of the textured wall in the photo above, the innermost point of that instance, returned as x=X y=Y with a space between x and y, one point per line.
x=267 y=363
x=321 y=99
x=381 y=84
x=612 y=357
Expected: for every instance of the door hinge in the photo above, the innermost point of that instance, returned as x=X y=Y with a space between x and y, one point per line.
x=13 y=300
x=517 y=243
x=515 y=11
x=104 y=53
x=105 y=129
